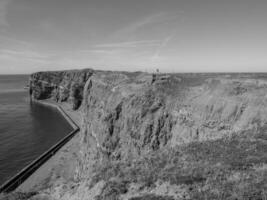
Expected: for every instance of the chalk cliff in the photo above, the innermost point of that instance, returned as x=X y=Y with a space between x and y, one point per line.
x=163 y=136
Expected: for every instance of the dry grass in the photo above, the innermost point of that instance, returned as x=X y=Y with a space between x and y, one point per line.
x=160 y=165
x=221 y=169
x=152 y=197
x=17 y=196
x=112 y=190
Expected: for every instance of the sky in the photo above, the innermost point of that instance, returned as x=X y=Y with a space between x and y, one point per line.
x=133 y=35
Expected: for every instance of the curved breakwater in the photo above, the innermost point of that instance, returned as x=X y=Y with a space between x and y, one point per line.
x=21 y=176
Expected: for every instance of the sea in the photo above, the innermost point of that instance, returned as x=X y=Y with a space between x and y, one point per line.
x=27 y=129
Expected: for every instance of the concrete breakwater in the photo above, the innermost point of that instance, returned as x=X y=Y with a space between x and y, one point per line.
x=21 y=176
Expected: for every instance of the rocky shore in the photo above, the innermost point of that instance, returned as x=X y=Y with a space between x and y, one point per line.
x=155 y=136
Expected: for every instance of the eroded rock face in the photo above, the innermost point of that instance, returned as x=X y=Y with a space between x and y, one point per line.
x=166 y=128
x=60 y=86
x=128 y=114
x=131 y=114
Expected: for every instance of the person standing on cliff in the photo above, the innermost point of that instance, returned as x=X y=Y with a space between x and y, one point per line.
x=57 y=93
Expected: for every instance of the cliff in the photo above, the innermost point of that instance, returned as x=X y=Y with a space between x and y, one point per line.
x=60 y=85
x=163 y=136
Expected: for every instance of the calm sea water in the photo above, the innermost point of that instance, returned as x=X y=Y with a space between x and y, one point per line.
x=26 y=129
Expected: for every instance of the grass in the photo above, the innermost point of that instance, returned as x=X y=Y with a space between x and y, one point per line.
x=17 y=196
x=160 y=165
x=152 y=197
x=112 y=190
x=237 y=153
x=221 y=169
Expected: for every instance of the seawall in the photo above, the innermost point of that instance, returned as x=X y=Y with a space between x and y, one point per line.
x=30 y=169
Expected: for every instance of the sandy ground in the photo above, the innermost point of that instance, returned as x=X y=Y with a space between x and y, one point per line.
x=62 y=164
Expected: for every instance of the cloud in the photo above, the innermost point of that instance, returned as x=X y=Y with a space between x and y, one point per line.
x=15 y=43
x=134 y=53
x=26 y=55
x=130 y=44
x=22 y=61
x=141 y=23
x=3 y=12
x=147 y=21
x=163 y=44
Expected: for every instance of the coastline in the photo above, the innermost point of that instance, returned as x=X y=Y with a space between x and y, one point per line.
x=62 y=108
x=62 y=162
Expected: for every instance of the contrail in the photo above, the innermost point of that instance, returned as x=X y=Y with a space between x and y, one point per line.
x=162 y=45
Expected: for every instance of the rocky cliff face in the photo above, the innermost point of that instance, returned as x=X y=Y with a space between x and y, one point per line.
x=146 y=136
x=60 y=86
x=133 y=113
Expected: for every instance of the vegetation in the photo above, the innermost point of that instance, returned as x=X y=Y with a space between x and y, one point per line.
x=112 y=190
x=152 y=197
x=222 y=169
x=17 y=196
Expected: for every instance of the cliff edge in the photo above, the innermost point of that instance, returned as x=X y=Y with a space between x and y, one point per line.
x=162 y=136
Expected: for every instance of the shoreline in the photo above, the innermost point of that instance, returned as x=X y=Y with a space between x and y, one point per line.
x=43 y=175
x=58 y=106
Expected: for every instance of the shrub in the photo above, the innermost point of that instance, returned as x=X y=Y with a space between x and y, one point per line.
x=152 y=197
x=112 y=190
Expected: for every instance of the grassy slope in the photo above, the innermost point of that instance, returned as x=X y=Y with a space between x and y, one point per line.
x=223 y=169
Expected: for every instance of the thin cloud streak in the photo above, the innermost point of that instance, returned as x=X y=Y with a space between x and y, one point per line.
x=163 y=44
x=13 y=56
x=149 y=20
x=15 y=42
x=26 y=53
x=3 y=12
x=130 y=44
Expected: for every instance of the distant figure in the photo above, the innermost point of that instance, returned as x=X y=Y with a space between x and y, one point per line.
x=157 y=70
x=153 y=78
x=30 y=91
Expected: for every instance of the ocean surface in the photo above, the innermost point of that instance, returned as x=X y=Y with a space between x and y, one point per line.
x=27 y=129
